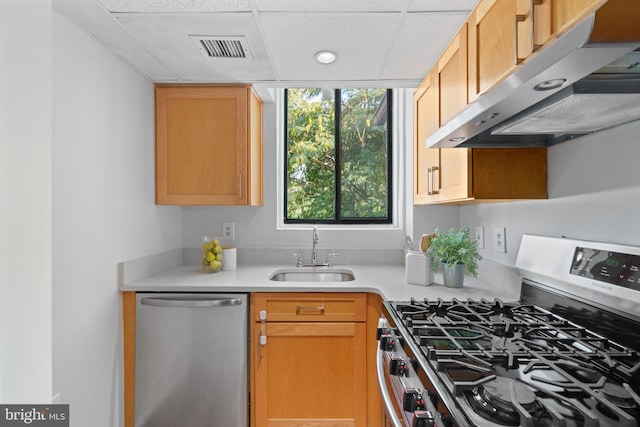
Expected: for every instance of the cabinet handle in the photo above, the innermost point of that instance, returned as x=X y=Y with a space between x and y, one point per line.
x=429 y=181
x=534 y=4
x=519 y=18
x=523 y=18
x=240 y=186
x=436 y=188
x=191 y=303
x=300 y=308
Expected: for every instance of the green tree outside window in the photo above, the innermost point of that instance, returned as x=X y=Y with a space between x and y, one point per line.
x=344 y=176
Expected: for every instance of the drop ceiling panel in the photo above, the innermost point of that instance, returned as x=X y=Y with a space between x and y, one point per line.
x=441 y=5
x=167 y=38
x=176 y=6
x=421 y=40
x=330 y=5
x=91 y=18
x=360 y=40
x=394 y=41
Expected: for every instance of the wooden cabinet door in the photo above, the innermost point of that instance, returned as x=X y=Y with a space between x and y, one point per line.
x=424 y=159
x=552 y=17
x=451 y=78
x=311 y=374
x=455 y=174
x=492 y=44
x=564 y=14
x=492 y=174
x=203 y=139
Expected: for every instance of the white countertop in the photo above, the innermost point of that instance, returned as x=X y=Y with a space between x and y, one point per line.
x=386 y=280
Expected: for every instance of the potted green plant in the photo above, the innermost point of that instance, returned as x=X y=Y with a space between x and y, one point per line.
x=456 y=252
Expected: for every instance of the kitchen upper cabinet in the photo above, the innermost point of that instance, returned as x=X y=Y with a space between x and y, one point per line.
x=471 y=175
x=455 y=169
x=559 y=15
x=447 y=175
x=504 y=33
x=493 y=37
x=537 y=22
x=451 y=78
x=208 y=145
x=425 y=122
x=310 y=360
x=463 y=175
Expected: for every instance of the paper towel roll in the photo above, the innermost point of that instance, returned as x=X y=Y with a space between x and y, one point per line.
x=229 y=255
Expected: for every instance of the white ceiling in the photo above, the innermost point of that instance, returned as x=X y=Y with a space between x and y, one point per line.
x=389 y=43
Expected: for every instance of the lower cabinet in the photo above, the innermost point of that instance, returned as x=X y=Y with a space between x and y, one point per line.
x=128 y=301
x=312 y=360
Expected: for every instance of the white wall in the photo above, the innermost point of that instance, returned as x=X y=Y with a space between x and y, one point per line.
x=25 y=201
x=594 y=194
x=103 y=213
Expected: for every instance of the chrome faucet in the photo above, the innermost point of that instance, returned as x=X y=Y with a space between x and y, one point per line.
x=314 y=257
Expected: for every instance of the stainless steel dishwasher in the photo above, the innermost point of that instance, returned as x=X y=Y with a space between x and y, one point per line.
x=191 y=360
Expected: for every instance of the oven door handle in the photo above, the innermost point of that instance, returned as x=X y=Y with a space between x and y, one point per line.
x=386 y=397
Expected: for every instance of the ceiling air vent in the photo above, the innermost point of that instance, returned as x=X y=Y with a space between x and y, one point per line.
x=222 y=47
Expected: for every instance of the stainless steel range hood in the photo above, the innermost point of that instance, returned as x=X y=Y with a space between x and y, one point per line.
x=598 y=87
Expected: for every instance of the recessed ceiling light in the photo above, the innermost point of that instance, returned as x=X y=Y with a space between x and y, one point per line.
x=326 y=56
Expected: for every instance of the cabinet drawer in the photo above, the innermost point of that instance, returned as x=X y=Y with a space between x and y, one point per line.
x=314 y=307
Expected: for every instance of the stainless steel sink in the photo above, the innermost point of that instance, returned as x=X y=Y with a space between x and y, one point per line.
x=312 y=274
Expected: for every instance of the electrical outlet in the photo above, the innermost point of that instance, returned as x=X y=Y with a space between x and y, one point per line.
x=500 y=239
x=479 y=235
x=228 y=230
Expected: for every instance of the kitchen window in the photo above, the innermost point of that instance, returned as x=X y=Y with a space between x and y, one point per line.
x=338 y=156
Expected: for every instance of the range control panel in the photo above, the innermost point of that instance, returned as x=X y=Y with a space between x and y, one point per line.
x=615 y=268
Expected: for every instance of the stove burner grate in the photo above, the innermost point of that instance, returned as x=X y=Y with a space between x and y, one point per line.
x=521 y=365
x=506 y=402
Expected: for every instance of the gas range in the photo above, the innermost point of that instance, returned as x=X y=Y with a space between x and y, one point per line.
x=556 y=357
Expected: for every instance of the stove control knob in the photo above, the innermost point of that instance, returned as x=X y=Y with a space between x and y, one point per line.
x=423 y=419
x=412 y=400
x=397 y=366
x=387 y=342
x=383 y=327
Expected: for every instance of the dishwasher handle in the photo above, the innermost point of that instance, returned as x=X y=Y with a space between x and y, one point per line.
x=191 y=303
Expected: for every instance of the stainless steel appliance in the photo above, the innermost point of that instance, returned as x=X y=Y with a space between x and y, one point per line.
x=191 y=360
x=566 y=354
x=550 y=98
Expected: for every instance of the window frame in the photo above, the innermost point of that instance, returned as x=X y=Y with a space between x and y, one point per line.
x=388 y=220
